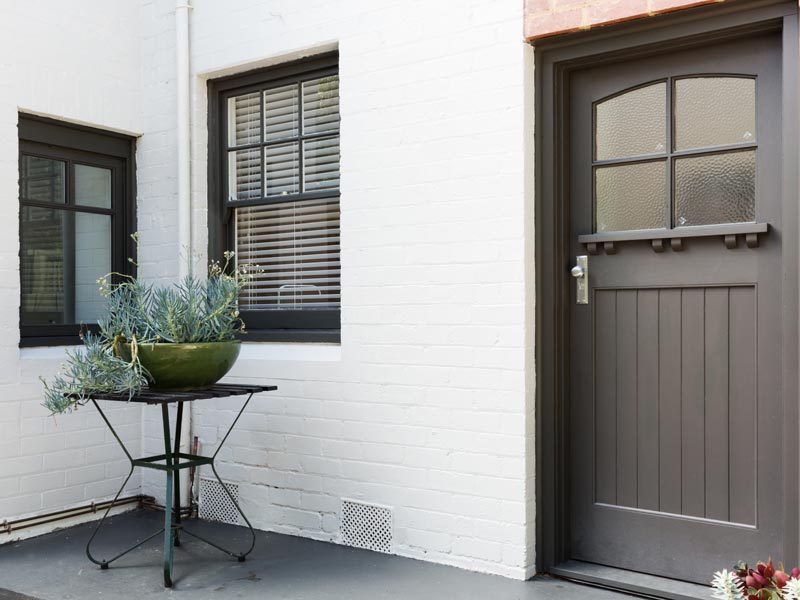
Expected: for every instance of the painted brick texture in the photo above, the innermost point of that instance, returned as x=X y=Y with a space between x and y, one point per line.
x=550 y=17
x=84 y=68
x=424 y=407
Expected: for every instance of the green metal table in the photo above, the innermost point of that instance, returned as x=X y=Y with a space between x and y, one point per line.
x=171 y=462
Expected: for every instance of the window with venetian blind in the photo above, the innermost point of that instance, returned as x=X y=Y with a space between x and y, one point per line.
x=278 y=167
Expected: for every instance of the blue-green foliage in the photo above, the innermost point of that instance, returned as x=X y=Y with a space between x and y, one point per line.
x=92 y=368
x=193 y=311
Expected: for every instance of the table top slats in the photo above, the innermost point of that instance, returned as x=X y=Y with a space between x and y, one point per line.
x=220 y=390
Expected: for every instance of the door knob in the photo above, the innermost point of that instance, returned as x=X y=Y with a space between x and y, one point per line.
x=581 y=274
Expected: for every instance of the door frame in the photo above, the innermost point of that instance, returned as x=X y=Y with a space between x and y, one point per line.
x=555 y=58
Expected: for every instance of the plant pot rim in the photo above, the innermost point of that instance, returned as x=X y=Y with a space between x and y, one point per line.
x=140 y=344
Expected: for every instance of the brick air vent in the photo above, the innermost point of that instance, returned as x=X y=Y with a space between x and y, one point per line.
x=367 y=526
x=215 y=504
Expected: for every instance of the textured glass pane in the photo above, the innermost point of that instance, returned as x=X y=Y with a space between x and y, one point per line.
x=92 y=186
x=712 y=111
x=321 y=105
x=62 y=255
x=719 y=188
x=296 y=246
x=280 y=113
x=244 y=174
x=631 y=196
x=244 y=119
x=321 y=164
x=42 y=179
x=633 y=123
x=282 y=169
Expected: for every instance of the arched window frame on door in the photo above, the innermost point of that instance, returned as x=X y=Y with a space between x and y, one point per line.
x=653 y=214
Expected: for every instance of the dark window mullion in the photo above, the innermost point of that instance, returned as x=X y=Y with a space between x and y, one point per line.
x=301 y=130
x=68 y=208
x=278 y=198
x=317 y=135
x=262 y=136
x=668 y=223
x=715 y=150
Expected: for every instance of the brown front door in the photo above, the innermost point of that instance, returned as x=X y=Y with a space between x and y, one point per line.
x=675 y=358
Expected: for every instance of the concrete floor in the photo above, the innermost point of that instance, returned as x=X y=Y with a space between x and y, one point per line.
x=54 y=567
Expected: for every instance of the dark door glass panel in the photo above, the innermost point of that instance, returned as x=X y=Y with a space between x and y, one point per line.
x=43 y=179
x=631 y=196
x=63 y=253
x=632 y=124
x=92 y=186
x=715 y=188
x=714 y=111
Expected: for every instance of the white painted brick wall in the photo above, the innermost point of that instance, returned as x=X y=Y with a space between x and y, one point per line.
x=425 y=406
x=88 y=71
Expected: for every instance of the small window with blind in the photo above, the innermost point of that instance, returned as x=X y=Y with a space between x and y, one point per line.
x=75 y=220
x=275 y=200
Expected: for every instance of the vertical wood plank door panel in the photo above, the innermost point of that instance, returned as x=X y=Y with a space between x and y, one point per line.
x=675 y=363
x=682 y=441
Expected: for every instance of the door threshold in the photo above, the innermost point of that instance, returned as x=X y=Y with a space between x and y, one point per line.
x=640 y=584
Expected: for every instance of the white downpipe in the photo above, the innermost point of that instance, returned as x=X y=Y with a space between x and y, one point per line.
x=182 y=10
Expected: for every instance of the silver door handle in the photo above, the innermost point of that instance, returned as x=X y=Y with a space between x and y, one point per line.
x=581 y=274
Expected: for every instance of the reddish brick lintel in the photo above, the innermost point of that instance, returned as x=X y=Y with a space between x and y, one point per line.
x=544 y=18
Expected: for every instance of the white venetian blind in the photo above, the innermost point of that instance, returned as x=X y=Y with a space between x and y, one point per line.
x=244 y=166
x=296 y=246
x=284 y=141
x=321 y=117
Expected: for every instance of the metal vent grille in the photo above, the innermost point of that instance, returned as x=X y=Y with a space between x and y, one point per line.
x=215 y=504
x=367 y=526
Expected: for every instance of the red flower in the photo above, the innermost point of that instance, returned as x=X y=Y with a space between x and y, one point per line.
x=756 y=580
x=769 y=570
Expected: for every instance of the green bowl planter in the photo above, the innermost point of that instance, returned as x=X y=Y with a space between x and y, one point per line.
x=185 y=367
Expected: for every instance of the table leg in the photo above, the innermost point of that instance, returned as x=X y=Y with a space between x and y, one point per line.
x=104 y=563
x=177 y=473
x=168 y=527
x=239 y=555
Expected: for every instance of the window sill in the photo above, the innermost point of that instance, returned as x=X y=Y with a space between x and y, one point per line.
x=256 y=345
x=319 y=336
x=265 y=351
x=50 y=352
x=69 y=341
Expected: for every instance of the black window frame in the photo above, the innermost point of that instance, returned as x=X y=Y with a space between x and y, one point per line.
x=317 y=325
x=79 y=144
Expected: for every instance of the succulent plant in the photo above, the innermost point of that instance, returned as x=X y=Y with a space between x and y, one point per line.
x=765 y=582
x=194 y=310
